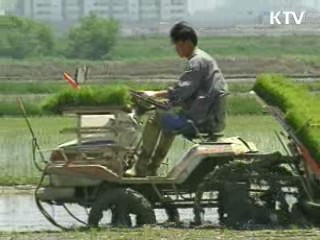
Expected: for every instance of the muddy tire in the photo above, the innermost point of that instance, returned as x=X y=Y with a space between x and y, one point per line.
x=236 y=208
x=172 y=213
x=309 y=213
x=121 y=202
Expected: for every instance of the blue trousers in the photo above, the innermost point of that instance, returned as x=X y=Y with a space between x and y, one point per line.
x=171 y=122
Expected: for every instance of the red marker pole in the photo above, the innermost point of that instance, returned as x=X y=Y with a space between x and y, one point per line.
x=71 y=81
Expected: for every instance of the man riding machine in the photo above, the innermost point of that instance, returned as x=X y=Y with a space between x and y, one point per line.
x=198 y=104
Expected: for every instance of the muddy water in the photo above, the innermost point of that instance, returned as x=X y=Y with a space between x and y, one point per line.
x=18 y=212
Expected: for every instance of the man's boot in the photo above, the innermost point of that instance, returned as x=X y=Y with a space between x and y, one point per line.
x=150 y=137
x=139 y=169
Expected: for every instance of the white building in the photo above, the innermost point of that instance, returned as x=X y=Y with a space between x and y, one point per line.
x=48 y=10
x=7 y=6
x=149 y=11
x=174 y=10
x=97 y=7
x=72 y=9
x=126 y=11
x=133 y=10
x=201 y=5
x=121 y=10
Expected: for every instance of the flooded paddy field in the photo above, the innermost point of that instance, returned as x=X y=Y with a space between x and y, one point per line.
x=16 y=150
x=20 y=219
x=19 y=213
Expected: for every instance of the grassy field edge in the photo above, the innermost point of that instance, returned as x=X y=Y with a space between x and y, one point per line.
x=158 y=233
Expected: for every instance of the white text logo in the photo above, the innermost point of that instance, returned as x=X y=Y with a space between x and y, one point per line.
x=287 y=16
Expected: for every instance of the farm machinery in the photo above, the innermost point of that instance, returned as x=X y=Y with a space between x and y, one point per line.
x=202 y=171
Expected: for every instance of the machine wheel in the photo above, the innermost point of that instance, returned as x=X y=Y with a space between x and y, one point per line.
x=121 y=202
x=236 y=207
x=307 y=212
x=172 y=212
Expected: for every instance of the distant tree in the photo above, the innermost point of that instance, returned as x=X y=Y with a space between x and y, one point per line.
x=21 y=38
x=93 y=38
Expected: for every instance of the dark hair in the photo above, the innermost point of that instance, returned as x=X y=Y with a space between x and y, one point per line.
x=183 y=32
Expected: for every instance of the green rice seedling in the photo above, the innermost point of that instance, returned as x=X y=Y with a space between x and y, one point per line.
x=237 y=105
x=301 y=108
x=8 y=88
x=234 y=87
x=241 y=87
x=12 y=109
x=119 y=95
x=88 y=96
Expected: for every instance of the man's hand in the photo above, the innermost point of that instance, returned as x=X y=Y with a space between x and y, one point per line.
x=149 y=94
x=156 y=94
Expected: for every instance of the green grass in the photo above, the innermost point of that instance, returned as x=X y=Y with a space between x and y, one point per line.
x=305 y=48
x=15 y=141
x=49 y=105
x=237 y=105
x=39 y=61
x=241 y=87
x=311 y=86
x=302 y=48
x=119 y=95
x=12 y=109
x=49 y=87
x=7 y=87
x=38 y=94
x=15 y=146
x=34 y=94
x=243 y=105
x=148 y=233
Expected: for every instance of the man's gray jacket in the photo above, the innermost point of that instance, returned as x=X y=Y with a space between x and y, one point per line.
x=200 y=90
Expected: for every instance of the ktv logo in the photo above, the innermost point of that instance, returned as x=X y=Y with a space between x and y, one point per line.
x=289 y=17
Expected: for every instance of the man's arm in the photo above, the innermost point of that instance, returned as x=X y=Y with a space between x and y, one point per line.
x=188 y=84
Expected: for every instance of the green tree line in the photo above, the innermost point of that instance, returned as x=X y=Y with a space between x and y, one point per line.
x=22 y=38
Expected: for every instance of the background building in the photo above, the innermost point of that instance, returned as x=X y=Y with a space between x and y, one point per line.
x=72 y=9
x=7 y=6
x=147 y=16
x=173 y=10
x=40 y=9
x=127 y=12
